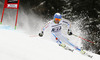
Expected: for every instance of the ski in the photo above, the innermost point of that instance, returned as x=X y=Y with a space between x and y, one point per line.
x=80 y=50
x=86 y=54
x=66 y=48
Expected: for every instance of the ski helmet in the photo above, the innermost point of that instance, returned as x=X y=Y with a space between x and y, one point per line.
x=57 y=16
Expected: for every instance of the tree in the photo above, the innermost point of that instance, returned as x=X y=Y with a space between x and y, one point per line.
x=89 y=7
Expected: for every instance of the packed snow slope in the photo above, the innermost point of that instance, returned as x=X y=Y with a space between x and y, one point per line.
x=15 y=45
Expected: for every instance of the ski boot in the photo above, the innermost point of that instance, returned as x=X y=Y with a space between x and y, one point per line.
x=82 y=52
x=62 y=45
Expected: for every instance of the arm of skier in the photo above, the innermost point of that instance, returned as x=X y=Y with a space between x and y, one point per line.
x=69 y=26
x=43 y=29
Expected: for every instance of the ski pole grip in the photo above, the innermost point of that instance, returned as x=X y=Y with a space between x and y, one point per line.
x=41 y=34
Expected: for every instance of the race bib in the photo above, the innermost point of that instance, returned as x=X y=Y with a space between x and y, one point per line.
x=55 y=29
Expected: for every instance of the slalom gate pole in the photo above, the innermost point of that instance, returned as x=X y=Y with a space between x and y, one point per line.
x=16 y=19
x=2 y=16
x=84 y=39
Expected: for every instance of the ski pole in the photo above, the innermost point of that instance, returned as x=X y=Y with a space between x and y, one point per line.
x=84 y=39
x=33 y=35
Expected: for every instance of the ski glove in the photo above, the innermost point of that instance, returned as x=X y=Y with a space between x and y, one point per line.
x=69 y=32
x=41 y=34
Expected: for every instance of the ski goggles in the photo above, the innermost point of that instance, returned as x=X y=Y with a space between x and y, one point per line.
x=56 y=19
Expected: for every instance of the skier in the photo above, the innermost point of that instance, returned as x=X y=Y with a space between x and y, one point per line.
x=55 y=27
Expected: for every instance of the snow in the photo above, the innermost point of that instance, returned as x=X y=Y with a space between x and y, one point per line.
x=16 y=45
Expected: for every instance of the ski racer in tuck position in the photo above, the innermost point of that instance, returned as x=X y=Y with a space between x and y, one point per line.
x=56 y=27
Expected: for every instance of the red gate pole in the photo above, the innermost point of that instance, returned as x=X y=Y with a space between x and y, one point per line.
x=17 y=15
x=16 y=19
x=2 y=16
